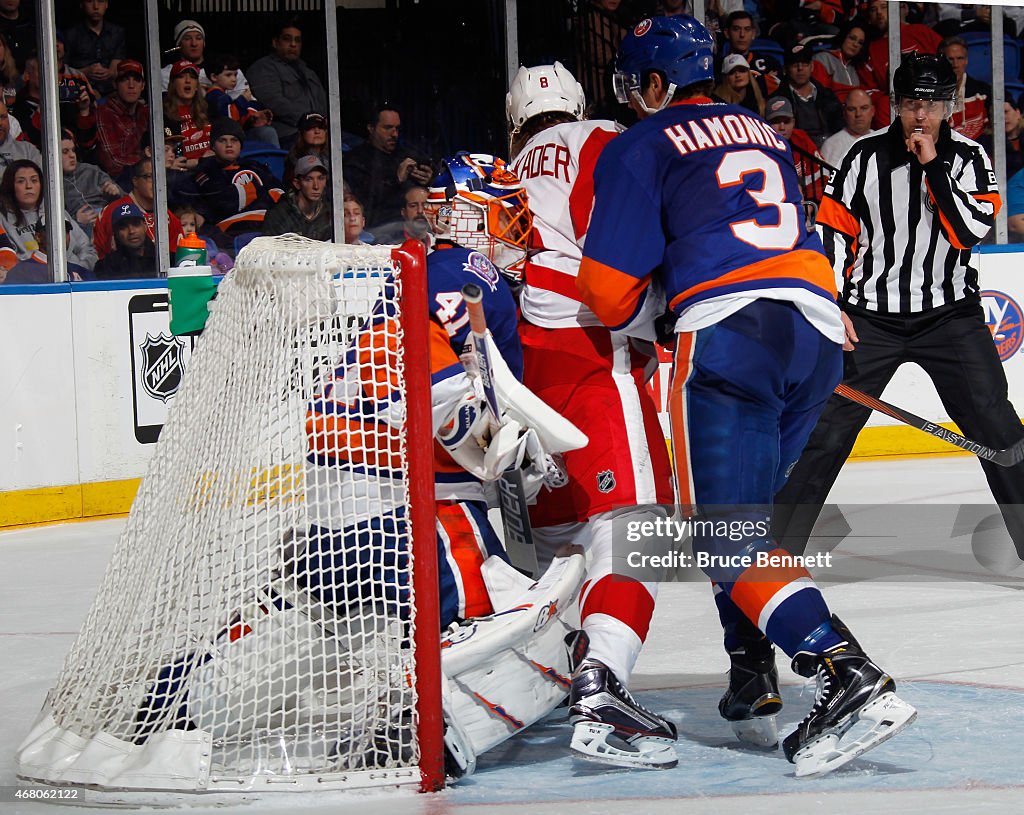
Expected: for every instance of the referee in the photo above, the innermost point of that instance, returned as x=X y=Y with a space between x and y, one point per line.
x=898 y=221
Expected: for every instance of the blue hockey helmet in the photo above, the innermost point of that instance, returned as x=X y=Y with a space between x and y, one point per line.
x=477 y=202
x=680 y=47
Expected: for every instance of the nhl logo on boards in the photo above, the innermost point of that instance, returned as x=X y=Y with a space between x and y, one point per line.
x=478 y=265
x=605 y=481
x=1005 y=319
x=162 y=367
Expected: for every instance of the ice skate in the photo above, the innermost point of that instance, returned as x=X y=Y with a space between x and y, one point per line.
x=851 y=689
x=752 y=699
x=600 y=707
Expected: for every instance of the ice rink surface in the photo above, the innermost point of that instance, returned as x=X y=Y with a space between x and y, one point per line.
x=955 y=647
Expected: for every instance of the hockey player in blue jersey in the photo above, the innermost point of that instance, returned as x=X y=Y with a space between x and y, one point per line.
x=699 y=202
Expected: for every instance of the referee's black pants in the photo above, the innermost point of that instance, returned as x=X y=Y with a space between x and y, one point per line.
x=954 y=347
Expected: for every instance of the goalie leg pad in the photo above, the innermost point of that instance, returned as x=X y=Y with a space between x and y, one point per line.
x=507 y=671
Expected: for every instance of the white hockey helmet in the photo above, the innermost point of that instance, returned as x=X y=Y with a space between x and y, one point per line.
x=477 y=202
x=543 y=89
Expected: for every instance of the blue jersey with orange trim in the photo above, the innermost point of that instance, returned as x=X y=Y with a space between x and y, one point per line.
x=704 y=196
x=448 y=270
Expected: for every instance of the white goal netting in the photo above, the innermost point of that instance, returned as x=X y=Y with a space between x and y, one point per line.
x=255 y=626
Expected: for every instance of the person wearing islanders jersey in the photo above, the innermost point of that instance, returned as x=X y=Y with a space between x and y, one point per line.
x=594 y=378
x=702 y=199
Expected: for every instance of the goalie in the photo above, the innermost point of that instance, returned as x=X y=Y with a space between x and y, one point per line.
x=338 y=569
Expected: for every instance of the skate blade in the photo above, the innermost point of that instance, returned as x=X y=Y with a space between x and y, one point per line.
x=888 y=715
x=762 y=733
x=590 y=741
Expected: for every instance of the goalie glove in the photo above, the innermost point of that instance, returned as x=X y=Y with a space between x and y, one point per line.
x=472 y=440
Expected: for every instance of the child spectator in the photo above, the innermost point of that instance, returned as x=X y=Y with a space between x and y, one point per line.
x=192 y=223
x=87 y=189
x=233 y=192
x=254 y=117
x=355 y=221
x=22 y=214
x=94 y=46
x=186 y=113
x=122 y=122
x=135 y=253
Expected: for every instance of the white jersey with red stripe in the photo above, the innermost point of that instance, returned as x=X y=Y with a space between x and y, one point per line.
x=556 y=168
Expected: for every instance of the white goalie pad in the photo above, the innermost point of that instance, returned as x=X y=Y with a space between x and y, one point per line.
x=504 y=672
x=556 y=433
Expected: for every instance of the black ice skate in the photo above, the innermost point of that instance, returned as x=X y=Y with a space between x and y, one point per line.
x=851 y=689
x=752 y=699
x=601 y=707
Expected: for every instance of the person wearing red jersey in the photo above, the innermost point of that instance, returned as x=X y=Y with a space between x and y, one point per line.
x=596 y=379
x=758 y=352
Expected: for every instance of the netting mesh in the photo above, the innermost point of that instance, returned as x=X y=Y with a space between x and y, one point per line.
x=258 y=605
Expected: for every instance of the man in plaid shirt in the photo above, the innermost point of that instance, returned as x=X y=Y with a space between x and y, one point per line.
x=121 y=122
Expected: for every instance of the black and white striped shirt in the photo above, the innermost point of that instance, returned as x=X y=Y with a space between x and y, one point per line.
x=899 y=234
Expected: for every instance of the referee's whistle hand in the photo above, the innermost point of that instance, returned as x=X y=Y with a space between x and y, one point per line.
x=850 y=332
x=922 y=145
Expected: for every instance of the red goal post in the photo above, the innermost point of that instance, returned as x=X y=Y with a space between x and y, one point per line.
x=269 y=619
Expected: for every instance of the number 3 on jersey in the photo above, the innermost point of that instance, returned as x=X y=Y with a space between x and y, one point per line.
x=786 y=232
x=450 y=304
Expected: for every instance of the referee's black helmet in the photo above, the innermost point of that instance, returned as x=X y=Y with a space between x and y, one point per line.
x=924 y=76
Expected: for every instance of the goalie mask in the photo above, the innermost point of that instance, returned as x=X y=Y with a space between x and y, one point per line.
x=478 y=203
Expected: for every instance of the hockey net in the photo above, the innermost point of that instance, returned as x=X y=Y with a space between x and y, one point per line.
x=257 y=627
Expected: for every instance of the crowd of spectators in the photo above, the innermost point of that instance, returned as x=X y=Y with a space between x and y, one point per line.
x=247 y=151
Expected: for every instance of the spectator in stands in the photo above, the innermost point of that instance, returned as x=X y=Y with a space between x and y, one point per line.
x=738 y=87
x=818 y=111
x=875 y=72
x=973 y=97
x=87 y=189
x=190 y=42
x=1014 y=207
x=413 y=222
x=11 y=80
x=185 y=111
x=857 y=114
x=1013 y=128
x=354 y=220
x=12 y=149
x=311 y=141
x=134 y=254
x=142 y=196
x=254 y=117
x=806 y=157
x=233 y=192
x=22 y=214
x=95 y=46
x=75 y=103
x=18 y=26
x=305 y=209
x=740 y=32
x=599 y=29
x=121 y=123
x=377 y=169
x=193 y=223
x=836 y=69
x=286 y=84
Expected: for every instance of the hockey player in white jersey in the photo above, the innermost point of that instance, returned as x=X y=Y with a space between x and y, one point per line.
x=595 y=379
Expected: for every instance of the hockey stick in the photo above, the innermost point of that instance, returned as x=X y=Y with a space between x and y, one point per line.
x=1004 y=458
x=515 y=513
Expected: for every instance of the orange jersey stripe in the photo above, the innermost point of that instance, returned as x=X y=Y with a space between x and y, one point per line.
x=612 y=295
x=466 y=552
x=355 y=442
x=756 y=587
x=801 y=264
x=832 y=213
x=993 y=198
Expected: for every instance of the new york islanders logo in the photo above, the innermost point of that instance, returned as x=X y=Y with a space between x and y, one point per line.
x=642 y=27
x=162 y=367
x=1005 y=320
x=478 y=265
